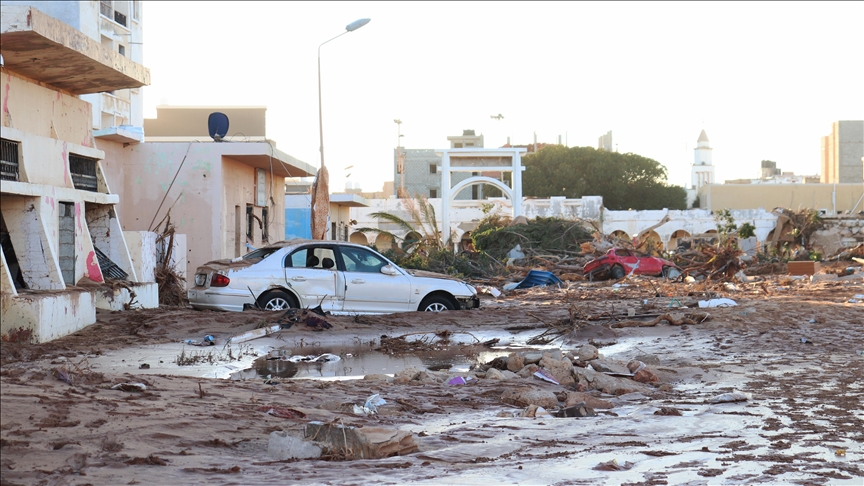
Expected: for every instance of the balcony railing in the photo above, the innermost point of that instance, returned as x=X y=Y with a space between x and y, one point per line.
x=8 y=160
x=83 y=170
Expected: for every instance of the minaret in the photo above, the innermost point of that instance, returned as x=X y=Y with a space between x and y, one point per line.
x=702 y=171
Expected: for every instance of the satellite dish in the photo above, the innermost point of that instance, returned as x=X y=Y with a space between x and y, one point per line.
x=217 y=125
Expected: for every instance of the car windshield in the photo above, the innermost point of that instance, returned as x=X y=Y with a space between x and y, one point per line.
x=260 y=253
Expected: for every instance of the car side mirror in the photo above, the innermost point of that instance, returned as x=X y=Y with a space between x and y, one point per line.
x=389 y=270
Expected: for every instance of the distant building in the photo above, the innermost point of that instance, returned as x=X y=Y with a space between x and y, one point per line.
x=702 y=170
x=418 y=173
x=842 y=152
x=605 y=142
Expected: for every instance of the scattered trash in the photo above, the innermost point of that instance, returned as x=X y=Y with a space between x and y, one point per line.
x=207 y=341
x=731 y=397
x=281 y=412
x=270 y=381
x=130 y=387
x=539 y=278
x=854 y=301
x=144 y=366
x=545 y=376
x=806 y=341
x=858 y=296
x=860 y=352
x=535 y=411
x=254 y=334
x=515 y=254
x=840 y=452
x=731 y=287
x=489 y=290
x=323 y=358
x=456 y=380
x=613 y=466
x=717 y=303
x=63 y=375
x=371 y=405
x=668 y=411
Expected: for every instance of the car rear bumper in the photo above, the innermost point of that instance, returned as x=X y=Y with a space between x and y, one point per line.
x=220 y=300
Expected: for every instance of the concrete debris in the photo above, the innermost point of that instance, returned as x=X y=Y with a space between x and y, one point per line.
x=283 y=446
x=523 y=397
x=576 y=398
x=587 y=352
x=535 y=411
x=366 y=443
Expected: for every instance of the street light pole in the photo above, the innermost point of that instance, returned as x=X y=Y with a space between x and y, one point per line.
x=348 y=28
x=321 y=202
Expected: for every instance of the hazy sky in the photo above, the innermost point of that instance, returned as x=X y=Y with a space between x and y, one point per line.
x=765 y=80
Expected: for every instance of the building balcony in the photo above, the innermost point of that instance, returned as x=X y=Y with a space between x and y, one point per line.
x=47 y=50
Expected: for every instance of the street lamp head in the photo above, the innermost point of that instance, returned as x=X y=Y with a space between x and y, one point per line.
x=356 y=24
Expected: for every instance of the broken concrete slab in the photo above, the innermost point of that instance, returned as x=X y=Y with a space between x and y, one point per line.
x=587 y=353
x=610 y=366
x=515 y=362
x=561 y=369
x=523 y=397
x=610 y=385
x=361 y=443
x=575 y=398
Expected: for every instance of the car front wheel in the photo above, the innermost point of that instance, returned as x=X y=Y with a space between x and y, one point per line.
x=671 y=272
x=277 y=300
x=617 y=272
x=436 y=303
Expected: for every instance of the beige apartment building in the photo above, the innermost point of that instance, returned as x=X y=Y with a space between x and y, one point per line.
x=61 y=236
x=843 y=153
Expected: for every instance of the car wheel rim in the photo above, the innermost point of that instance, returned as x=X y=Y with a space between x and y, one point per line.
x=276 y=305
x=436 y=307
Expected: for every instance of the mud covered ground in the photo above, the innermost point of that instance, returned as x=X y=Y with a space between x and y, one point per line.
x=795 y=347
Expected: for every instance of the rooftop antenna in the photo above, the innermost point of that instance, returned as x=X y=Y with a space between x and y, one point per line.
x=217 y=125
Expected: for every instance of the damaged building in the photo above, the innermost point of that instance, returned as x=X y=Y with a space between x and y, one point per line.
x=62 y=241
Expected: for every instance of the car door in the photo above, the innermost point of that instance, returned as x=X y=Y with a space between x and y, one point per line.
x=369 y=290
x=629 y=260
x=311 y=272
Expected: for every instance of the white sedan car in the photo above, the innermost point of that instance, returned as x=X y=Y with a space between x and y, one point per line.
x=343 y=278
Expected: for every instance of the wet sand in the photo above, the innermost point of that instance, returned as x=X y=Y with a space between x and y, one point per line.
x=193 y=424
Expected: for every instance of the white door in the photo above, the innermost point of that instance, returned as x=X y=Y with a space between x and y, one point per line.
x=369 y=290
x=311 y=272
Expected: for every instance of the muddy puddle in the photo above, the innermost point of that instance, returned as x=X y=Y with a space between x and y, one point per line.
x=352 y=362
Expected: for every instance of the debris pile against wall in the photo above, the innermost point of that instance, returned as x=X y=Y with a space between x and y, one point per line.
x=172 y=287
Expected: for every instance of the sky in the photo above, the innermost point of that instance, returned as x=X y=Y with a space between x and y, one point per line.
x=765 y=80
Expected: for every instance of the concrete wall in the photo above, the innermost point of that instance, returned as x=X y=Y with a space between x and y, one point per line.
x=43 y=112
x=203 y=199
x=191 y=122
x=835 y=198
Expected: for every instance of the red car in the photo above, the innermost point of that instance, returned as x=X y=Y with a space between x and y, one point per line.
x=618 y=262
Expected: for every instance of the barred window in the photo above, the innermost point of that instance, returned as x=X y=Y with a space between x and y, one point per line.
x=8 y=160
x=83 y=170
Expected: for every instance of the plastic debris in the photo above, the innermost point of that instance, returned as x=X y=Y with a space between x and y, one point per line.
x=323 y=358
x=731 y=397
x=717 y=303
x=840 y=452
x=130 y=387
x=539 y=278
x=546 y=376
x=490 y=290
x=456 y=380
x=371 y=405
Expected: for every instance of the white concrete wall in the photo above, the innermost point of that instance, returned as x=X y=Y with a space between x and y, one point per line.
x=44 y=317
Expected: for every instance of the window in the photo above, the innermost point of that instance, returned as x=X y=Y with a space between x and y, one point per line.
x=433 y=168
x=136 y=10
x=433 y=193
x=457 y=145
x=106 y=9
x=83 y=170
x=250 y=217
x=311 y=257
x=122 y=49
x=9 y=160
x=120 y=18
x=360 y=260
x=266 y=230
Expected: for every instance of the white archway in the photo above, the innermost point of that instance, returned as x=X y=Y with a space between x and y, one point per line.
x=475 y=180
x=479 y=160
